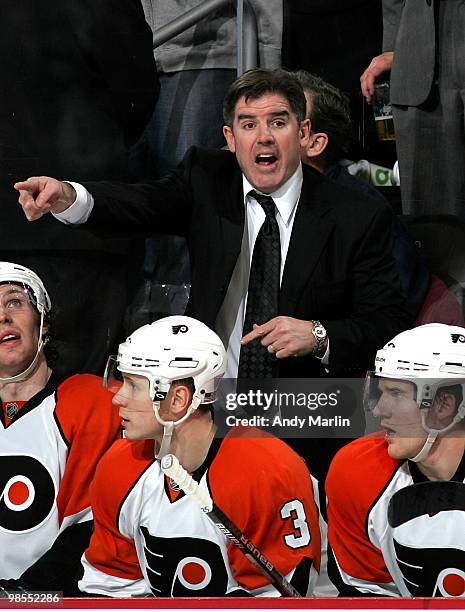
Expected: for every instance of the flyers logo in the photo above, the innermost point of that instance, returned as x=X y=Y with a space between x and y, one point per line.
x=457 y=338
x=27 y=493
x=450 y=583
x=432 y=572
x=179 y=328
x=182 y=567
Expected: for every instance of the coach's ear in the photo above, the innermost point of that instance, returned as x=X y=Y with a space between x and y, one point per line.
x=230 y=139
x=317 y=143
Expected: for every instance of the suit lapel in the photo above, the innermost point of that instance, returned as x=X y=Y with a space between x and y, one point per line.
x=310 y=233
x=228 y=239
x=232 y=215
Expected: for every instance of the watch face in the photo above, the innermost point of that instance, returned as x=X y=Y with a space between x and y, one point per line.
x=319 y=331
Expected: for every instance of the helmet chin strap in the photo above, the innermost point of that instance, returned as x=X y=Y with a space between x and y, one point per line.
x=433 y=434
x=425 y=449
x=31 y=367
x=168 y=426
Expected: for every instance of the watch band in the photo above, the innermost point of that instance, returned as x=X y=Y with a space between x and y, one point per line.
x=320 y=335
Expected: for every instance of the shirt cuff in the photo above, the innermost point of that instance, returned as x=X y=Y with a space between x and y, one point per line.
x=80 y=209
x=325 y=358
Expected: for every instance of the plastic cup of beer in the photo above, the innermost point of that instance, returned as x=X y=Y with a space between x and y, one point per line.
x=382 y=110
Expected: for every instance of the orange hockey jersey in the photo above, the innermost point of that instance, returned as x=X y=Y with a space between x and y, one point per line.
x=416 y=552
x=151 y=538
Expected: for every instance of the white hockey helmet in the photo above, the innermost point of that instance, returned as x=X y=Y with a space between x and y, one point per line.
x=171 y=349
x=17 y=274
x=34 y=287
x=431 y=357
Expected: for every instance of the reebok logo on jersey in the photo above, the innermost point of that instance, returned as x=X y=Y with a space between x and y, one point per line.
x=27 y=493
x=179 y=329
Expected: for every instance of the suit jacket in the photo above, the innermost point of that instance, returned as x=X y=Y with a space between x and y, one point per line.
x=409 y=31
x=338 y=269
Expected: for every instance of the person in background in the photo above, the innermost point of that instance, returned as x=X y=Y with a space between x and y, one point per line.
x=330 y=133
x=345 y=35
x=424 y=50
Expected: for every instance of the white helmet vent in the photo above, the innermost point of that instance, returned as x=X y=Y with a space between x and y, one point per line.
x=183 y=362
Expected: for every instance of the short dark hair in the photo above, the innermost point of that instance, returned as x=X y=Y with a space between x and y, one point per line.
x=258 y=82
x=329 y=113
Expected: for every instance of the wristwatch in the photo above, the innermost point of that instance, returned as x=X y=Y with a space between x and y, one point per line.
x=320 y=334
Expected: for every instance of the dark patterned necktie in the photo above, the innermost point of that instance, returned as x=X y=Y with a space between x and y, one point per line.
x=255 y=361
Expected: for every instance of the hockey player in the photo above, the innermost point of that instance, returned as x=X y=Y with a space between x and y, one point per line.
x=52 y=434
x=150 y=538
x=396 y=501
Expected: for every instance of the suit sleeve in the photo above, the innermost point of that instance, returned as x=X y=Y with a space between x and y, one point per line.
x=355 y=565
x=392 y=13
x=162 y=206
x=269 y=496
x=111 y=565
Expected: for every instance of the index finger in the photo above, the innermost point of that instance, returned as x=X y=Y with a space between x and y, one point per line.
x=30 y=185
x=258 y=332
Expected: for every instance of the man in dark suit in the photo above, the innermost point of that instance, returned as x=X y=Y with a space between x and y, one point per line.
x=424 y=47
x=337 y=271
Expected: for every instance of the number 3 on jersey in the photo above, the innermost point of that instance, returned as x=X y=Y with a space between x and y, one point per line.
x=295 y=510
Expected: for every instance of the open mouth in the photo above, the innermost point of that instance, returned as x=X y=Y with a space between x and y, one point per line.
x=9 y=338
x=265 y=160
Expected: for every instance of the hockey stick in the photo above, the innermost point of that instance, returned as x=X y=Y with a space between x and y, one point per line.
x=174 y=470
